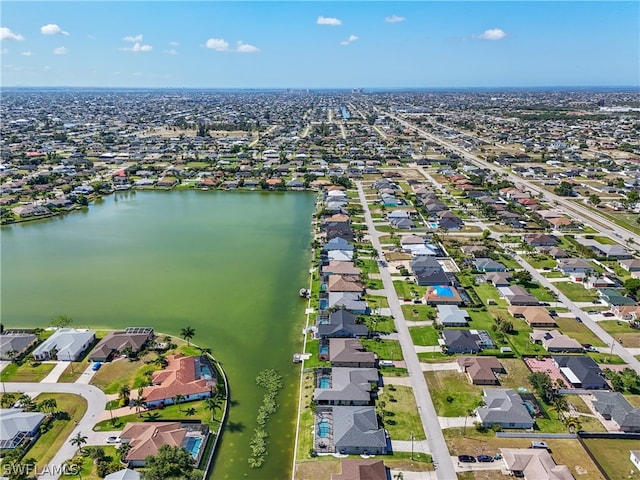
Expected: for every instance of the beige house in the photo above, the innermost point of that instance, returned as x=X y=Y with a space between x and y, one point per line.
x=534 y=464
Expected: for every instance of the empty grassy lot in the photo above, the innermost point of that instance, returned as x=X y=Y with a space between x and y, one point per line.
x=576 y=291
x=122 y=371
x=26 y=372
x=579 y=331
x=401 y=417
x=452 y=394
x=424 y=335
x=613 y=455
x=621 y=330
x=385 y=349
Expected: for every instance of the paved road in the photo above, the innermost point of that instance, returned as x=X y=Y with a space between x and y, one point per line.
x=435 y=438
x=575 y=210
x=96 y=401
x=586 y=320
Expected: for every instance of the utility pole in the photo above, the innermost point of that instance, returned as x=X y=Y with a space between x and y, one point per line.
x=411 y=446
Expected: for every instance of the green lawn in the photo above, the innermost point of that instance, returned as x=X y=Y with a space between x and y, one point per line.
x=122 y=371
x=380 y=324
x=434 y=357
x=452 y=394
x=630 y=337
x=408 y=289
x=424 y=335
x=576 y=291
x=579 y=331
x=418 y=312
x=72 y=372
x=401 y=413
x=613 y=455
x=313 y=361
x=73 y=408
x=552 y=274
x=517 y=375
x=27 y=372
x=385 y=349
x=540 y=261
x=170 y=412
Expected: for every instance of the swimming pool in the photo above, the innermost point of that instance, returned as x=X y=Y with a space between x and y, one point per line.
x=324 y=382
x=530 y=408
x=323 y=428
x=324 y=348
x=205 y=372
x=443 y=291
x=323 y=303
x=193 y=445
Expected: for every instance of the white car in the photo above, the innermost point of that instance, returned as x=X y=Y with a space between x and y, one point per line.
x=113 y=439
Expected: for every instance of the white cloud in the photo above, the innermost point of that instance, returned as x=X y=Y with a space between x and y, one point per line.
x=351 y=39
x=7 y=34
x=134 y=39
x=138 y=47
x=26 y=53
x=60 y=51
x=246 y=48
x=394 y=19
x=334 y=22
x=52 y=29
x=171 y=51
x=217 y=44
x=493 y=34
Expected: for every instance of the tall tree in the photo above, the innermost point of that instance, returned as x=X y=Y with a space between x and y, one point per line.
x=187 y=333
x=214 y=404
x=124 y=394
x=78 y=441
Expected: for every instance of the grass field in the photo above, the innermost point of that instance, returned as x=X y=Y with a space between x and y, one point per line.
x=613 y=456
x=630 y=336
x=576 y=292
x=122 y=371
x=417 y=312
x=401 y=417
x=424 y=335
x=579 y=331
x=26 y=372
x=517 y=374
x=48 y=444
x=385 y=349
x=452 y=394
x=540 y=261
x=72 y=372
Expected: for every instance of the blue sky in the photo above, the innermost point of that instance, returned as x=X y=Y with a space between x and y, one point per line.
x=332 y=44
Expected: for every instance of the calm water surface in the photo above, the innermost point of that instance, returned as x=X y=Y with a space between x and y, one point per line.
x=228 y=264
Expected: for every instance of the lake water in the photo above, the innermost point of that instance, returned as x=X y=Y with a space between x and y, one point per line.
x=229 y=264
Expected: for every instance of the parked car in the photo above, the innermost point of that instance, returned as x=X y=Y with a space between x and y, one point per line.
x=608 y=314
x=467 y=458
x=484 y=458
x=96 y=366
x=113 y=439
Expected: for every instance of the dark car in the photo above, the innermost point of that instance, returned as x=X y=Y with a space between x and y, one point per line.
x=467 y=458
x=484 y=458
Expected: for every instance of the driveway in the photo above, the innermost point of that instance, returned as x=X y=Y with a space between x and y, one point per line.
x=54 y=374
x=434 y=367
x=96 y=402
x=87 y=375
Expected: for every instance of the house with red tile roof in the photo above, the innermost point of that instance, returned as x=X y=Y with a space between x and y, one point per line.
x=190 y=377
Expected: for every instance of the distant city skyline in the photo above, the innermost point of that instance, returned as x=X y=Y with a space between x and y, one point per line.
x=362 y=44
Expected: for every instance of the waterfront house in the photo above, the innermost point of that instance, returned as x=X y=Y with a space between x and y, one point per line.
x=65 y=344
x=130 y=341
x=349 y=352
x=345 y=386
x=336 y=267
x=349 y=301
x=341 y=323
x=504 y=407
x=356 y=431
x=192 y=377
x=14 y=344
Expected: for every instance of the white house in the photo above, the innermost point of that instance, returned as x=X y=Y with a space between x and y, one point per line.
x=65 y=344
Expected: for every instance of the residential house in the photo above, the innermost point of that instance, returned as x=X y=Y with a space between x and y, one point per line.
x=15 y=343
x=345 y=386
x=18 y=426
x=339 y=255
x=634 y=456
x=614 y=406
x=124 y=474
x=65 y=344
x=605 y=250
x=442 y=295
x=191 y=377
x=533 y=464
x=452 y=316
x=626 y=312
x=356 y=431
x=504 y=407
x=614 y=297
x=337 y=243
x=347 y=300
x=402 y=223
x=341 y=268
x=146 y=438
x=540 y=240
x=339 y=283
x=481 y=370
x=554 y=341
x=432 y=277
x=341 y=323
x=489 y=265
x=535 y=316
x=449 y=221
x=362 y=469
x=349 y=352
x=630 y=264
x=581 y=372
x=499 y=279
x=517 y=295
x=460 y=341
x=115 y=343
x=570 y=266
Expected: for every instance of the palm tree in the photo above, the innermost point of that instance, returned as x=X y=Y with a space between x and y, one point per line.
x=573 y=424
x=123 y=394
x=78 y=441
x=139 y=403
x=49 y=405
x=177 y=400
x=214 y=404
x=7 y=400
x=560 y=405
x=190 y=412
x=187 y=333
